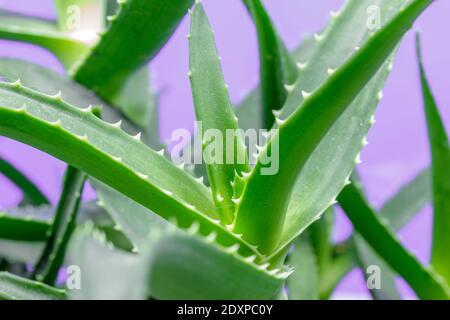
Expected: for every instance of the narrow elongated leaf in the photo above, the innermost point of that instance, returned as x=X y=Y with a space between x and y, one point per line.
x=423 y=280
x=141 y=26
x=249 y=110
x=327 y=169
x=52 y=257
x=213 y=108
x=321 y=233
x=408 y=201
x=341 y=264
x=16 y=288
x=32 y=194
x=41 y=33
x=22 y=229
x=367 y=258
x=440 y=169
x=85 y=19
x=112 y=156
x=300 y=134
x=397 y=211
x=277 y=69
x=304 y=282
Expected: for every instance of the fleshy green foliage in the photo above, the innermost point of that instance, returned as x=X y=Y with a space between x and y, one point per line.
x=303 y=285
x=46 y=269
x=15 y=288
x=278 y=70
x=303 y=130
x=427 y=283
x=42 y=33
x=213 y=108
x=171 y=235
x=132 y=27
x=440 y=172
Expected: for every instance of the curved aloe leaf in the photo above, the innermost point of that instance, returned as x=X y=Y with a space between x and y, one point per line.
x=397 y=211
x=440 y=169
x=320 y=233
x=249 y=111
x=52 y=257
x=16 y=288
x=41 y=33
x=141 y=26
x=215 y=112
x=327 y=170
x=172 y=278
x=277 y=68
x=408 y=201
x=32 y=194
x=90 y=251
x=134 y=220
x=233 y=276
x=112 y=156
x=133 y=98
x=368 y=257
x=300 y=134
x=424 y=281
x=159 y=261
x=22 y=229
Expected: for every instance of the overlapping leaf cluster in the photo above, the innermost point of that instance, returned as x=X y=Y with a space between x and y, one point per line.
x=174 y=235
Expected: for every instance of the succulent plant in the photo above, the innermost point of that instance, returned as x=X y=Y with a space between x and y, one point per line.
x=242 y=233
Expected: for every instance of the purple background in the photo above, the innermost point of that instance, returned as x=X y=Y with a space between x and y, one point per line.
x=398 y=146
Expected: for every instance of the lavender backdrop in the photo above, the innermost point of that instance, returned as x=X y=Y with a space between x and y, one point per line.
x=398 y=143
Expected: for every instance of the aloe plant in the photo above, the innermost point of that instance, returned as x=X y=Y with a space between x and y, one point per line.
x=174 y=234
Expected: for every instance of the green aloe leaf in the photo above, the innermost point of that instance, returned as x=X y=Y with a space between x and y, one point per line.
x=42 y=33
x=304 y=282
x=234 y=277
x=215 y=112
x=440 y=172
x=367 y=257
x=169 y=277
x=141 y=26
x=321 y=233
x=341 y=264
x=87 y=18
x=22 y=229
x=277 y=68
x=115 y=158
x=52 y=257
x=249 y=110
x=31 y=193
x=90 y=251
x=423 y=280
x=16 y=288
x=299 y=135
x=322 y=179
x=408 y=201
x=397 y=211
x=131 y=218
